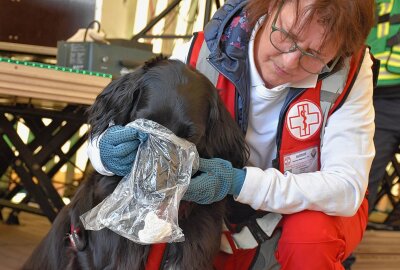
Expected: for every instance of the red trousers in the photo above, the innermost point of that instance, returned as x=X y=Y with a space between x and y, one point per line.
x=312 y=240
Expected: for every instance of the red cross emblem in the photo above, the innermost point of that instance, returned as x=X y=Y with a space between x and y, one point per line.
x=303 y=119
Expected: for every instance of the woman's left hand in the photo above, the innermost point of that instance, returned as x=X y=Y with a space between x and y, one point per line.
x=217 y=178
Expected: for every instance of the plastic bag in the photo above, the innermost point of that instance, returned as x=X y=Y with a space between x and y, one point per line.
x=144 y=206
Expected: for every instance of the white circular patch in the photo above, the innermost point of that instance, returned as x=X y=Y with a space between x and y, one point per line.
x=303 y=119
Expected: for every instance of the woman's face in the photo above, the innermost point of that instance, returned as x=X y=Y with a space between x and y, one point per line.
x=278 y=68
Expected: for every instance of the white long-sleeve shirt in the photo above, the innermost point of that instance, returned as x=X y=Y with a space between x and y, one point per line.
x=346 y=153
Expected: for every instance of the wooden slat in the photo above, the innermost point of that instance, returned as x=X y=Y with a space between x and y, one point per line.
x=51 y=75
x=49 y=90
x=47 y=84
x=27 y=48
x=379 y=250
x=44 y=96
x=38 y=83
x=18 y=241
x=383 y=242
x=377 y=262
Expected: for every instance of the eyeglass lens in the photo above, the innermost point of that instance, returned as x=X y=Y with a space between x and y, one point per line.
x=285 y=44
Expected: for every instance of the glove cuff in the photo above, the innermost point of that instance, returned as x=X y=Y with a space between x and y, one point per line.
x=103 y=149
x=237 y=181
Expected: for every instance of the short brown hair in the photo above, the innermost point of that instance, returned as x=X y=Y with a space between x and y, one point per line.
x=346 y=22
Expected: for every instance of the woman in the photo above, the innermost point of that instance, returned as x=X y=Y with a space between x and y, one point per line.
x=297 y=79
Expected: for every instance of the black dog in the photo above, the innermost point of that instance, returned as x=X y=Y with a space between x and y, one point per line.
x=184 y=101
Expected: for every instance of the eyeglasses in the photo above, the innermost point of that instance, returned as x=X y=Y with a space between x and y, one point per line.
x=283 y=42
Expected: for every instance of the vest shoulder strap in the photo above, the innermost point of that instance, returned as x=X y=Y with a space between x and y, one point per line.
x=333 y=94
x=351 y=69
x=197 y=58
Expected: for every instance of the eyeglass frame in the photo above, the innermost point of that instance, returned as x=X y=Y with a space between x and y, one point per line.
x=295 y=47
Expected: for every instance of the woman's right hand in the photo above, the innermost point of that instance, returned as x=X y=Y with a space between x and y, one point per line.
x=118 y=147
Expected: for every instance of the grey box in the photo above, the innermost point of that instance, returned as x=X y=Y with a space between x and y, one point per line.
x=112 y=59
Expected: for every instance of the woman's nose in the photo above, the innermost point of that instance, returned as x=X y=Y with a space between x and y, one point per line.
x=292 y=59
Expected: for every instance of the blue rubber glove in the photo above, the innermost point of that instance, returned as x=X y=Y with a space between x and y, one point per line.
x=217 y=179
x=118 y=148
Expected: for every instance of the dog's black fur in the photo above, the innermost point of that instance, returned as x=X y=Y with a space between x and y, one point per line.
x=184 y=101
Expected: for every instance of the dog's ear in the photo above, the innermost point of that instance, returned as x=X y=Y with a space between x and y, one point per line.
x=116 y=103
x=224 y=138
